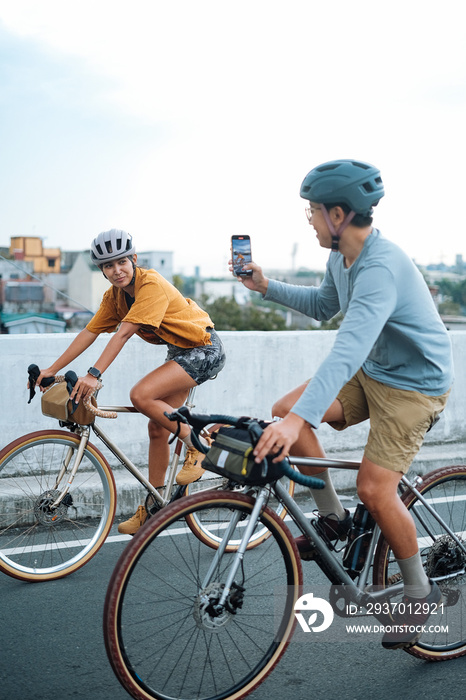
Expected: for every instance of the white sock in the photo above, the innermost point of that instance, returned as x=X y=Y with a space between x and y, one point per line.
x=416 y=582
x=326 y=499
x=189 y=444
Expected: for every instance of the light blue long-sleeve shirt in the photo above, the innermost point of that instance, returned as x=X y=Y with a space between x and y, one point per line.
x=391 y=327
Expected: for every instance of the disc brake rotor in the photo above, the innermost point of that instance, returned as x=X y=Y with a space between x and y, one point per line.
x=45 y=514
x=205 y=613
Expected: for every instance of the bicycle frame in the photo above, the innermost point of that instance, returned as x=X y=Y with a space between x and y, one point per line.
x=84 y=433
x=360 y=593
x=222 y=586
x=411 y=486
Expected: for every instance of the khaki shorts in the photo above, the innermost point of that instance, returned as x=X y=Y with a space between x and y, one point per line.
x=399 y=419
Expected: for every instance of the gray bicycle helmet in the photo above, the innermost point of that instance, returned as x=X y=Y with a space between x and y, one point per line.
x=111 y=245
x=351 y=182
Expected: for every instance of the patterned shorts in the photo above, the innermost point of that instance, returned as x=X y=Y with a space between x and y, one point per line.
x=201 y=363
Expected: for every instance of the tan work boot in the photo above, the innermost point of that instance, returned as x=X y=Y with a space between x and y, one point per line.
x=191 y=469
x=131 y=526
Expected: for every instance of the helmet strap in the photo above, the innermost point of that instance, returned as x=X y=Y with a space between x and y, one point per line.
x=336 y=233
x=134 y=270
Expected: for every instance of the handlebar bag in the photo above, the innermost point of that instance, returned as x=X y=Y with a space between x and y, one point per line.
x=56 y=404
x=230 y=455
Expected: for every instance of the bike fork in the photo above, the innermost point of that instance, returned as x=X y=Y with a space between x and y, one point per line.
x=239 y=555
x=74 y=469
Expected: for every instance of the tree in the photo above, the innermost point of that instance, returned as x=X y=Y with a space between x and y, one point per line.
x=449 y=308
x=333 y=324
x=228 y=315
x=455 y=291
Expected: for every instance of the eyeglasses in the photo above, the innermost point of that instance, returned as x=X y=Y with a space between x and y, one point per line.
x=309 y=212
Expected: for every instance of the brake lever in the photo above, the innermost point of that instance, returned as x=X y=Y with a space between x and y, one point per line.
x=33 y=374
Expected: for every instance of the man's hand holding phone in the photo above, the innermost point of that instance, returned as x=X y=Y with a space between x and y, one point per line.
x=241 y=255
x=243 y=268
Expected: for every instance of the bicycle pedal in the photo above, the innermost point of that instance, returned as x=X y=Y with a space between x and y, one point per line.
x=450 y=597
x=305 y=549
x=323 y=536
x=310 y=555
x=152 y=506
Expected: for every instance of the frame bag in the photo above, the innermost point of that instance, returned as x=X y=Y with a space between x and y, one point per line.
x=230 y=455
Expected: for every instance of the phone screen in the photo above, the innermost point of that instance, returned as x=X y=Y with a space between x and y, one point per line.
x=241 y=254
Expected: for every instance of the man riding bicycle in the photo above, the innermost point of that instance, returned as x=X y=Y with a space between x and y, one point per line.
x=391 y=363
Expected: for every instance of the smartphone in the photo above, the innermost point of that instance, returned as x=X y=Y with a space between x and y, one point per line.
x=241 y=255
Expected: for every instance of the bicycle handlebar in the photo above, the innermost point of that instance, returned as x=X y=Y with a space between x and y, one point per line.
x=70 y=378
x=199 y=421
x=33 y=373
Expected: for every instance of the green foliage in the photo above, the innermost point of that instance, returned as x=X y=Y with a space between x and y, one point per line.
x=184 y=284
x=334 y=323
x=449 y=308
x=178 y=282
x=228 y=315
x=455 y=291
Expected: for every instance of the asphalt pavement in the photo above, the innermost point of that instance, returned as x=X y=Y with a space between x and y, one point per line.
x=51 y=646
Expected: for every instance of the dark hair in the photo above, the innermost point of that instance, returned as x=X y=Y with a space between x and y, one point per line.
x=359 y=220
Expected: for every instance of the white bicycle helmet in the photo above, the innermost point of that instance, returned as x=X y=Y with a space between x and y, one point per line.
x=111 y=245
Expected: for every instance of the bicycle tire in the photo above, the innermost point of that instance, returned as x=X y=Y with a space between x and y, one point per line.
x=446 y=489
x=199 y=523
x=161 y=637
x=36 y=542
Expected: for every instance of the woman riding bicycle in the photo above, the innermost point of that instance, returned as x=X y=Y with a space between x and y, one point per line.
x=142 y=302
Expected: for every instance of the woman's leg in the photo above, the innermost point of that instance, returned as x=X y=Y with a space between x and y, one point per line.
x=164 y=389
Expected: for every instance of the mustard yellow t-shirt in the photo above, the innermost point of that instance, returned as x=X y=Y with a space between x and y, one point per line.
x=161 y=310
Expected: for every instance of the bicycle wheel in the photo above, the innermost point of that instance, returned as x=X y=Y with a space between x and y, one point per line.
x=444 y=560
x=164 y=636
x=200 y=523
x=40 y=543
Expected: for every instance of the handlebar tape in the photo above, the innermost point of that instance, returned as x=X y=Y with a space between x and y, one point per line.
x=303 y=479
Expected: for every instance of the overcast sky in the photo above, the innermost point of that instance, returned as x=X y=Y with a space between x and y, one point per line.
x=185 y=122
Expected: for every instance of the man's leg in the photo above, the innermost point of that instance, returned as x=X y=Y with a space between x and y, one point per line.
x=377 y=489
x=308 y=445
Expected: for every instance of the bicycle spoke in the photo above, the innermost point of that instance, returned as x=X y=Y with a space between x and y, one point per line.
x=39 y=540
x=167 y=631
x=443 y=557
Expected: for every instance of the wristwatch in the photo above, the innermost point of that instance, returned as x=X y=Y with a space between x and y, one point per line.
x=94 y=372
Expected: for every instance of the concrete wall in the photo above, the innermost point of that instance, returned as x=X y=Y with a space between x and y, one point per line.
x=261 y=367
